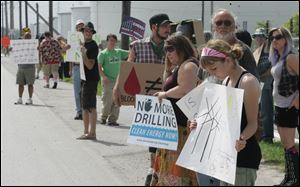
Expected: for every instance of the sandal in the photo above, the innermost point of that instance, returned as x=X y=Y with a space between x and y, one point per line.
x=83 y=137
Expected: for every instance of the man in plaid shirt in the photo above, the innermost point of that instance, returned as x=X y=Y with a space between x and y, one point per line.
x=149 y=50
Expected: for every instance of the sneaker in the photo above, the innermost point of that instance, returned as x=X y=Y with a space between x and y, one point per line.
x=29 y=102
x=55 y=85
x=46 y=86
x=78 y=117
x=19 y=101
x=148 y=179
x=113 y=124
x=103 y=121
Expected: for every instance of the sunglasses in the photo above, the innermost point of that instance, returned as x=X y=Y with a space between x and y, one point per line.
x=87 y=30
x=277 y=37
x=169 y=49
x=227 y=23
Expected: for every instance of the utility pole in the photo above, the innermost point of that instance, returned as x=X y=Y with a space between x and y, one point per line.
x=51 y=17
x=126 y=6
x=26 y=13
x=2 y=19
x=211 y=13
x=11 y=15
x=6 y=19
x=20 y=17
x=37 y=21
x=42 y=18
x=202 y=18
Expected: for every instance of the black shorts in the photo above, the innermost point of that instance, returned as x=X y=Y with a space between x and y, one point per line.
x=88 y=95
x=286 y=117
x=152 y=149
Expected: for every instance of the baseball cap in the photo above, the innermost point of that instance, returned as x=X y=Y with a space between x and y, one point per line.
x=80 y=21
x=260 y=32
x=89 y=25
x=159 y=19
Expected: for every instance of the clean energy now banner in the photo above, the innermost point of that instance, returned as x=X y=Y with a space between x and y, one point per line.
x=154 y=124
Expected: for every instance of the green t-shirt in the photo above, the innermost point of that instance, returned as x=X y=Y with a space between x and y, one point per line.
x=110 y=62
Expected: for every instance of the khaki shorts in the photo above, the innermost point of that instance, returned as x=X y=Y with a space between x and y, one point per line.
x=51 y=69
x=25 y=76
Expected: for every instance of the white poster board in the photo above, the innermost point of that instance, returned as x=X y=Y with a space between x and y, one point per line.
x=25 y=51
x=210 y=149
x=154 y=124
x=73 y=54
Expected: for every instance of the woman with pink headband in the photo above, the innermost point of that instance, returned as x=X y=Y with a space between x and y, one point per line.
x=221 y=60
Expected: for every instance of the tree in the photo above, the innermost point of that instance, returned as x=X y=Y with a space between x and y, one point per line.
x=293 y=25
x=263 y=24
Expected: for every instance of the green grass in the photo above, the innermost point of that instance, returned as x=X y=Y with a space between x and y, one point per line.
x=273 y=154
x=99 y=87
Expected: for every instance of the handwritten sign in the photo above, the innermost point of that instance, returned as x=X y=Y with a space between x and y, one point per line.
x=210 y=149
x=154 y=124
x=143 y=78
x=24 y=51
x=73 y=54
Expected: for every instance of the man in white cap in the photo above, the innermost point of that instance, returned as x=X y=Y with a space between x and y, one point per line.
x=75 y=72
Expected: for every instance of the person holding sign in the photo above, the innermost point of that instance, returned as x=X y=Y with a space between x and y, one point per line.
x=74 y=71
x=109 y=66
x=89 y=51
x=221 y=60
x=261 y=55
x=148 y=50
x=25 y=75
x=181 y=77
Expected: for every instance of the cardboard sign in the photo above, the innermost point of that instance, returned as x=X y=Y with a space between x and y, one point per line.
x=154 y=124
x=144 y=78
x=210 y=149
x=133 y=27
x=25 y=51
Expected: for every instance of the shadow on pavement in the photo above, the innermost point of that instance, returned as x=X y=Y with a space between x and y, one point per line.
x=108 y=143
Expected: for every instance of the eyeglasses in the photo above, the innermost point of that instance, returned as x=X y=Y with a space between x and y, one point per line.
x=169 y=49
x=227 y=23
x=277 y=37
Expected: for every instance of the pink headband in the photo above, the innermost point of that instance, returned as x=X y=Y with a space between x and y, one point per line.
x=212 y=53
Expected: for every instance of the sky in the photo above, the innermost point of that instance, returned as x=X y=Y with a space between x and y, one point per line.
x=278 y=12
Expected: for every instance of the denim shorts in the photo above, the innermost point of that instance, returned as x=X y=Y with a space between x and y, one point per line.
x=286 y=117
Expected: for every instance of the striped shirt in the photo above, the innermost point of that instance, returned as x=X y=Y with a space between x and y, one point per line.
x=144 y=52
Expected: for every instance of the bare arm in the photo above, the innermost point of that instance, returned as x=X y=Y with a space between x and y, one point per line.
x=293 y=64
x=187 y=80
x=103 y=76
x=89 y=63
x=251 y=101
x=131 y=55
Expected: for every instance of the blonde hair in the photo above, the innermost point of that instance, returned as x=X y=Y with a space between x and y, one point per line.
x=235 y=52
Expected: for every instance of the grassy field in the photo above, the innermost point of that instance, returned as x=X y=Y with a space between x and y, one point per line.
x=274 y=154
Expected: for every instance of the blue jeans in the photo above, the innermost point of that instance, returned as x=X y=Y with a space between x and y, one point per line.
x=77 y=87
x=205 y=180
x=266 y=107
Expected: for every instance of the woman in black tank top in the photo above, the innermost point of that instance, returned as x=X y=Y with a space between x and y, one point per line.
x=180 y=78
x=221 y=60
